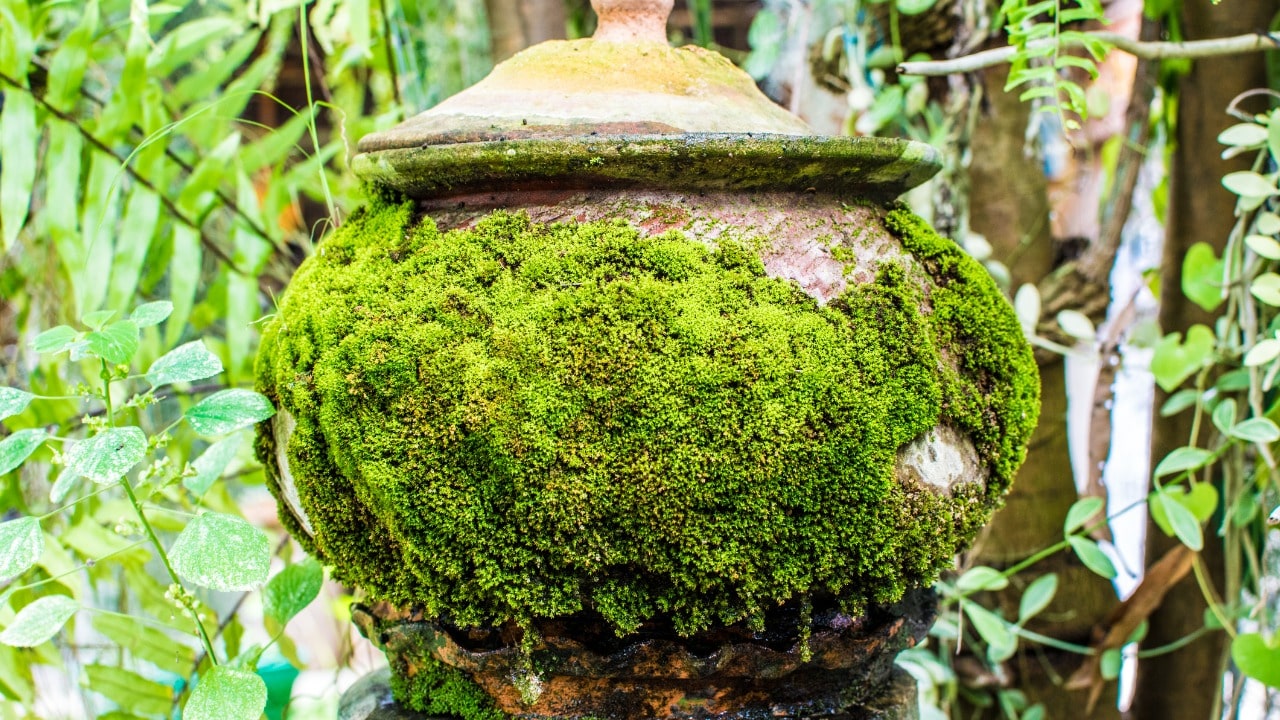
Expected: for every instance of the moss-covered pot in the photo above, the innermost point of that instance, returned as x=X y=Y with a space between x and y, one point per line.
x=660 y=378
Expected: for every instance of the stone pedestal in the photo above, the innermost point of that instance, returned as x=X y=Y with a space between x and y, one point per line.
x=370 y=699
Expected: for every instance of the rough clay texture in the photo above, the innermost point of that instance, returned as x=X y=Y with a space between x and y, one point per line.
x=519 y=420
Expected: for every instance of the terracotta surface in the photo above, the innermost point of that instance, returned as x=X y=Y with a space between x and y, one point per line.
x=632 y=20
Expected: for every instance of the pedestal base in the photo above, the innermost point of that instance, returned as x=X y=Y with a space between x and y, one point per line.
x=370 y=699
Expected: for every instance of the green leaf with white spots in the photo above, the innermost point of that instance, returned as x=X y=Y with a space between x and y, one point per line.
x=229 y=410
x=15 y=449
x=56 y=339
x=116 y=343
x=21 y=545
x=222 y=552
x=227 y=693
x=152 y=313
x=185 y=363
x=13 y=401
x=39 y=621
x=107 y=456
x=212 y=463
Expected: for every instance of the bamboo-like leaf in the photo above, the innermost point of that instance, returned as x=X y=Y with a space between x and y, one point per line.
x=18 y=173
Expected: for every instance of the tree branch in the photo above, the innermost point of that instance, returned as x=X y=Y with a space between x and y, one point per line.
x=1147 y=50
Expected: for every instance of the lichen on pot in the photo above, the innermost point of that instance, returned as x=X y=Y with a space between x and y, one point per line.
x=521 y=420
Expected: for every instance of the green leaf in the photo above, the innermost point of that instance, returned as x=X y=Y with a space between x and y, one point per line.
x=222 y=552
x=146 y=643
x=1174 y=361
x=107 y=456
x=132 y=692
x=1182 y=460
x=1200 y=501
x=1000 y=638
x=15 y=449
x=1037 y=596
x=1224 y=415
x=1202 y=276
x=212 y=463
x=1266 y=287
x=18 y=174
x=185 y=363
x=56 y=339
x=1092 y=556
x=116 y=343
x=1081 y=512
x=13 y=401
x=1249 y=184
x=981 y=578
x=1076 y=324
x=227 y=693
x=1258 y=430
x=1267 y=223
x=152 y=313
x=229 y=410
x=1262 y=353
x=96 y=319
x=39 y=621
x=291 y=590
x=21 y=545
x=1244 y=134
x=1264 y=246
x=1178 y=402
x=1257 y=658
x=915 y=7
x=1109 y=665
x=1183 y=523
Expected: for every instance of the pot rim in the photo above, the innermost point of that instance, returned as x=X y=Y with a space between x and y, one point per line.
x=880 y=168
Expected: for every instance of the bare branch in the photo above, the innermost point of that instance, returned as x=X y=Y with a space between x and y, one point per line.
x=1147 y=50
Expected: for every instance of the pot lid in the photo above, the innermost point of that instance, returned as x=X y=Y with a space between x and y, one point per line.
x=623 y=107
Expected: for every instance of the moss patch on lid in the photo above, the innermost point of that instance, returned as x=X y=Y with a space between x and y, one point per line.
x=518 y=420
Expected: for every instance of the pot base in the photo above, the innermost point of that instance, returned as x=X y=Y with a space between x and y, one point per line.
x=370 y=699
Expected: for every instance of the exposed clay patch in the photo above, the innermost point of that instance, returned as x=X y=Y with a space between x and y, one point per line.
x=940 y=460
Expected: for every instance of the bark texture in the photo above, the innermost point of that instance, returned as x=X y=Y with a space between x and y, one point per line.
x=516 y=24
x=1184 y=685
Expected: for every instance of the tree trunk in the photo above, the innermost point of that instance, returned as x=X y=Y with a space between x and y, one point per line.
x=516 y=24
x=1185 y=684
x=1009 y=205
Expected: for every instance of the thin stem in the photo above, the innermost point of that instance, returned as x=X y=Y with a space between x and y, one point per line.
x=146 y=525
x=304 y=30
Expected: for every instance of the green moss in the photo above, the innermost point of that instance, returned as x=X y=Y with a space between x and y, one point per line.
x=995 y=395
x=439 y=690
x=518 y=420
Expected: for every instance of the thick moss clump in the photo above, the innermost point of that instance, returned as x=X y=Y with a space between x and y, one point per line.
x=519 y=420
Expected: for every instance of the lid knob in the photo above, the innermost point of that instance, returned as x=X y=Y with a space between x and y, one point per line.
x=632 y=20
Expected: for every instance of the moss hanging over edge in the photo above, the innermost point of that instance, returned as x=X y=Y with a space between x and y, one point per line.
x=337 y=359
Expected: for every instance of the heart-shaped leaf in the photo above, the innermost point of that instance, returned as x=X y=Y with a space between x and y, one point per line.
x=1257 y=658
x=1202 y=276
x=1175 y=360
x=185 y=363
x=1181 y=520
x=229 y=410
x=1201 y=500
x=222 y=552
x=97 y=318
x=21 y=545
x=227 y=693
x=107 y=456
x=39 y=621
